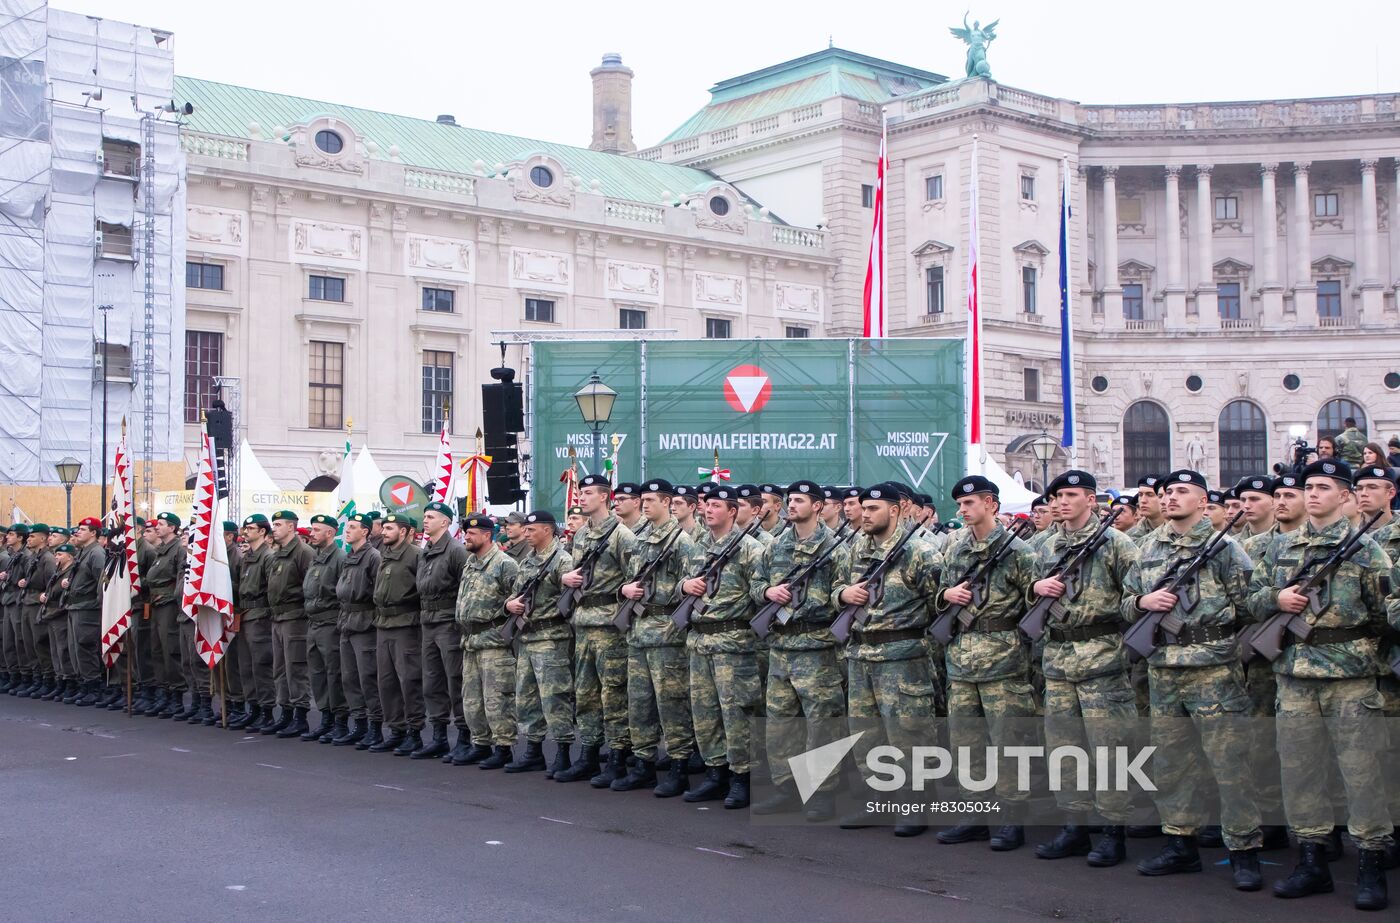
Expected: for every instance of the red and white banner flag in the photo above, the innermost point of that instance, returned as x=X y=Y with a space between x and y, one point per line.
x=974 y=317
x=874 y=299
x=208 y=596
x=442 y=471
x=122 y=577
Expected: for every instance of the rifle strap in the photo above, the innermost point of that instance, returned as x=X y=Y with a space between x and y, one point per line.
x=1330 y=635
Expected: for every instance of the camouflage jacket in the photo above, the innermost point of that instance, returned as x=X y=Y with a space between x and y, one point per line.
x=808 y=626
x=439 y=579
x=546 y=595
x=517 y=550
x=1100 y=600
x=939 y=540
x=740 y=589
x=286 y=570
x=396 y=586
x=252 y=582
x=1222 y=586
x=487 y=581
x=85 y=579
x=907 y=600
x=976 y=655
x=597 y=603
x=638 y=528
x=1256 y=545
x=697 y=531
x=654 y=628
x=162 y=571
x=354 y=589
x=318 y=587
x=1355 y=596
x=1350 y=442
x=764 y=537
x=1388 y=537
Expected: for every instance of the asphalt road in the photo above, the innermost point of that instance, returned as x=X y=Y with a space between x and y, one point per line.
x=106 y=817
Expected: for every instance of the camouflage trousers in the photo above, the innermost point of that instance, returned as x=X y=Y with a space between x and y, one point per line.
x=1195 y=711
x=289 y=667
x=1348 y=714
x=359 y=674
x=1101 y=711
x=1142 y=693
x=938 y=672
x=442 y=673
x=488 y=695
x=1390 y=691
x=1260 y=683
x=982 y=714
x=544 y=690
x=724 y=694
x=804 y=687
x=38 y=659
x=323 y=665
x=896 y=698
x=658 y=701
x=600 y=686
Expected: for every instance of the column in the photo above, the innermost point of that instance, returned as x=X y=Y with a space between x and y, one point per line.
x=1304 y=292
x=1112 y=291
x=1369 y=251
x=1270 y=287
x=1171 y=224
x=1208 y=314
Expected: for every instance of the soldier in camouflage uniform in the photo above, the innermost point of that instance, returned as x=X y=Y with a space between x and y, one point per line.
x=1129 y=515
x=1087 y=692
x=254 y=637
x=322 y=635
x=1256 y=497
x=725 y=689
x=988 y=662
x=1330 y=675
x=1198 y=676
x=398 y=644
x=1350 y=442
x=286 y=570
x=833 y=517
x=573 y=521
x=770 y=510
x=684 y=506
x=627 y=507
x=888 y=673
x=1149 y=507
x=658 y=668
x=804 y=676
x=162 y=564
x=515 y=544
x=750 y=509
x=600 y=650
x=440 y=563
x=1042 y=518
x=359 y=668
x=488 y=663
x=544 y=669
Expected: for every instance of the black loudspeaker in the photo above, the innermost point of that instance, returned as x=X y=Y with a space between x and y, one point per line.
x=503 y=477
x=219 y=422
x=502 y=408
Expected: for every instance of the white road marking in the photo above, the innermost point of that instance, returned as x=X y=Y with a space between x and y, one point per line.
x=493 y=843
x=390 y=787
x=116 y=756
x=235 y=887
x=269 y=766
x=718 y=852
x=555 y=820
x=179 y=749
x=70 y=758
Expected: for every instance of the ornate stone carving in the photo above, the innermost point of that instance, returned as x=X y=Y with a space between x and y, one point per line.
x=1343 y=380
x=1242 y=381
x=328 y=462
x=561 y=193
x=210 y=225
x=440 y=256
x=540 y=268
x=720 y=290
x=315 y=159
x=634 y=281
x=1146 y=376
x=802 y=300
x=1101 y=455
x=733 y=222
x=1196 y=453
x=319 y=241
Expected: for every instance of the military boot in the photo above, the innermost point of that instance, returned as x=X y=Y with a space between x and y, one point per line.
x=1309 y=876
x=353 y=735
x=182 y=711
x=284 y=720
x=245 y=718
x=1008 y=837
x=72 y=692
x=115 y=703
x=339 y=727
x=499 y=758
x=21 y=686
x=1371 y=893
x=5 y=681
x=532 y=760
x=1244 y=868
x=615 y=768
x=322 y=729
x=296 y=727
x=412 y=741
x=738 y=796
x=205 y=715
x=964 y=833
x=715 y=786
x=641 y=774
x=91 y=695
x=435 y=747
x=1110 y=849
x=784 y=800
x=391 y=743
x=459 y=749
x=676 y=782
x=145 y=699
x=196 y=708
x=373 y=737
x=1179 y=855
x=1072 y=840
x=45 y=689
x=174 y=704
x=561 y=763
x=473 y=754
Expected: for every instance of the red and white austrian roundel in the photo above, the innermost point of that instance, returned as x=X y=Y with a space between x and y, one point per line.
x=747 y=388
x=403 y=493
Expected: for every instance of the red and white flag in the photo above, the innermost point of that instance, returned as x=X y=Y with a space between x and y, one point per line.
x=208 y=596
x=974 y=317
x=442 y=471
x=874 y=299
x=122 y=577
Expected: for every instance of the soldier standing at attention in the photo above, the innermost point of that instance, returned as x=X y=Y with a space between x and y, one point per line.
x=359 y=671
x=162 y=564
x=1042 y=518
x=440 y=566
x=544 y=671
x=53 y=621
x=322 y=635
x=515 y=544
x=600 y=650
x=83 y=599
x=398 y=645
x=771 y=508
x=1129 y=517
x=237 y=689
x=850 y=507
x=684 y=504
x=376 y=530
x=286 y=570
x=12 y=562
x=254 y=638
x=751 y=508
x=1256 y=494
x=1149 y=507
x=627 y=506
x=488 y=663
x=832 y=515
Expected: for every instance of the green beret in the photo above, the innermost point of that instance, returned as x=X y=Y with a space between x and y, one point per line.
x=170 y=518
x=374 y=514
x=321 y=519
x=401 y=519
x=138 y=522
x=230 y=525
x=38 y=528
x=363 y=519
x=4 y=529
x=66 y=549
x=286 y=515
x=20 y=529
x=60 y=530
x=439 y=507
x=257 y=519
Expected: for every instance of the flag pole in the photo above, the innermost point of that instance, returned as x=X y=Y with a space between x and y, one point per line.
x=223 y=694
x=975 y=434
x=884 y=225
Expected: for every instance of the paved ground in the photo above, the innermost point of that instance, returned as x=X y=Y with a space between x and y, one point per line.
x=105 y=817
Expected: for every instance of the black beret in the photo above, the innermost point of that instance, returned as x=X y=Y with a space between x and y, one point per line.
x=1074 y=478
x=1039 y=502
x=727 y=494
x=705 y=489
x=805 y=488
x=1187 y=476
x=773 y=489
x=974 y=484
x=830 y=492
x=1373 y=473
x=1148 y=480
x=854 y=491
x=1333 y=468
x=628 y=489
x=883 y=491
x=905 y=491
x=686 y=491
x=1287 y=481
x=659 y=486
x=1255 y=483
x=479 y=521
x=595 y=480
x=746 y=491
x=540 y=517
x=1216 y=497
x=1129 y=500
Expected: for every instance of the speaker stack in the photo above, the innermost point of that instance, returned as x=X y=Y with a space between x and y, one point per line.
x=503 y=419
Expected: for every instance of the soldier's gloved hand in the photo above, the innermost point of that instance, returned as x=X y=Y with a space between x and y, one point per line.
x=1157 y=601
x=573 y=578
x=778 y=594
x=1291 y=601
x=1053 y=587
x=633 y=590
x=855 y=595
x=695 y=586
x=515 y=605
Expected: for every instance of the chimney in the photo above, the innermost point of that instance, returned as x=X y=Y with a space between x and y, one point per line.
x=612 y=106
x=447 y=120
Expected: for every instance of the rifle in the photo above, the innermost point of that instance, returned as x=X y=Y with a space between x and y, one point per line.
x=1068 y=569
x=958 y=618
x=632 y=608
x=1141 y=638
x=1311 y=579
x=693 y=605
x=874 y=579
x=797 y=579
x=516 y=623
x=569 y=596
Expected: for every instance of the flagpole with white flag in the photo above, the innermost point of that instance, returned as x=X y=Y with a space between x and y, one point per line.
x=1066 y=316
x=974 y=322
x=874 y=301
x=208 y=592
x=122 y=579
x=442 y=471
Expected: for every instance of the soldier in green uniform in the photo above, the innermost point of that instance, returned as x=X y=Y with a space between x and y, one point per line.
x=627 y=507
x=724 y=673
x=162 y=564
x=286 y=571
x=1149 y=507
x=12 y=560
x=376 y=530
x=684 y=507
x=1330 y=675
x=1129 y=515
x=31 y=562
x=1350 y=442
x=750 y=509
x=235 y=691
x=254 y=638
x=1086 y=666
x=398 y=641
x=988 y=664
x=804 y=674
x=7 y=666
x=53 y=621
x=1375 y=493
x=440 y=564
x=515 y=544
x=488 y=663
x=850 y=507
x=359 y=669
x=600 y=650
x=83 y=600
x=658 y=668
x=322 y=605
x=1197 y=676
x=544 y=670
x=771 y=509
x=888 y=673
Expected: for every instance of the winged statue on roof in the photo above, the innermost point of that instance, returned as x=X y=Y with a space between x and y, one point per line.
x=977 y=37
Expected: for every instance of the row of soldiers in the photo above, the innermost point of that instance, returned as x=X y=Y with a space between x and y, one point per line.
x=582 y=644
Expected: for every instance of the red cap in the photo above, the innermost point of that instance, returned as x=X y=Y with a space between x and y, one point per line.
x=92 y=522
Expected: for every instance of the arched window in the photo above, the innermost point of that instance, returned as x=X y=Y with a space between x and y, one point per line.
x=323 y=483
x=1331 y=419
x=1147 y=442
x=1244 y=442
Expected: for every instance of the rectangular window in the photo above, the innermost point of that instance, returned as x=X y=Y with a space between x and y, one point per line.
x=437 y=389
x=1329 y=298
x=933 y=187
x=1030 y=382
x=933 y=289
x=1027 y=187
x=120 y=158
x=1227 y=208
x=867 y=196
x=326 y=288
x=797 y=333
x=1132 y=302
x=1227 y=299
x=716 y=328
x=1327 y=205
x=443 y=300
x=1028 y=289
x=631 y=319
x=326 y=385
x=204 y=361
x=539 y=310
x=204 y=275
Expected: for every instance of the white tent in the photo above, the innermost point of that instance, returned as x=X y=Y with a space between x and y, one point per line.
x=1015 y=498
x=368 y=477
x=252 y=476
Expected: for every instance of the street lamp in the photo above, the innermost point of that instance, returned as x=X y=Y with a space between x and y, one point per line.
x=1044 y=447
x=68 y=469
x=595 y=404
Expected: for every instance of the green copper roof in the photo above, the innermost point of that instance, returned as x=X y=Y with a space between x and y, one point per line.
x=800 y=82
x=225 y=109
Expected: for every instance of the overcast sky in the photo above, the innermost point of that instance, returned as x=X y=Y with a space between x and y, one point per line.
x=523 y=68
